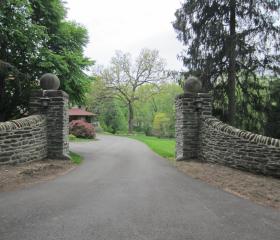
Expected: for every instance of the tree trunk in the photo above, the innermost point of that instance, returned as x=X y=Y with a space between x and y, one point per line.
x=232 y=63
x=3 y=74
x=2 y=91
x=130 y=117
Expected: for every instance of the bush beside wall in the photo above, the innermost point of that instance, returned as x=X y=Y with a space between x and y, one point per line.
x=82 y=129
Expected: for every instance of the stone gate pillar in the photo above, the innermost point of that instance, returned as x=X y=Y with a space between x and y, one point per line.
x=191 y=107
x=53 y=104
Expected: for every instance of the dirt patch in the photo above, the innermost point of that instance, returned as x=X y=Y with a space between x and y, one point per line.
x=17 y=176
x=259 y=189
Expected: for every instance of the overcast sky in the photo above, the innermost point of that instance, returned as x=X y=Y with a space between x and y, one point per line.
x=128 y=25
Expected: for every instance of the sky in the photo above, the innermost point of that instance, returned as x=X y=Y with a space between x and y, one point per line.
x=129 y=26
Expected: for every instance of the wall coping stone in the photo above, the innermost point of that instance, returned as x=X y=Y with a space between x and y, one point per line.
x=252 y=137
x=22 y=122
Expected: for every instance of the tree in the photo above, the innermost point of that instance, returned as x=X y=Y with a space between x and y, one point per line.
x=234 y=38
x=151 y=99
x=112 y=118
x=144 y=108
x=101 y=100
x=156 y=100
x=20 y=43
x=161 y=125
x=35 y=38
x=124 y=77
x=64 y=57
x=273 y=110
x=62 y=53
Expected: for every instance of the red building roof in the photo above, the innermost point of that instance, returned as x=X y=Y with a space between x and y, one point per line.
x=79 y=112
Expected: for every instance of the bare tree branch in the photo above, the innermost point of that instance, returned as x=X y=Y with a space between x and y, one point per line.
x=125 y=76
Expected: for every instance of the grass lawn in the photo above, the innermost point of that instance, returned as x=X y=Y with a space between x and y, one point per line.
x=162 y=146
x=76 y=158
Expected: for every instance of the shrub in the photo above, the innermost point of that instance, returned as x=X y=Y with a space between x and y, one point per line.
x=98 y=128
x=72 y=137
x=160 y=125
x=80 y=128
x=148 y=131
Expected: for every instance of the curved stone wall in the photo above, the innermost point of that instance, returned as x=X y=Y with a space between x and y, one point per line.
x=23 y=139
x=224 y=144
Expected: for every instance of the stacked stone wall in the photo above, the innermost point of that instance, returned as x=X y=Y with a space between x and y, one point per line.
x=23 y=140
x=201 y=137
x=44 y=133
x=56 y=113
x=186 y=121
x=189 y=108
x=223 y=144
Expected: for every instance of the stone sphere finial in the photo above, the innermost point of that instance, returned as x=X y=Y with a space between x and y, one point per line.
x=49 y=81
x=192 y=85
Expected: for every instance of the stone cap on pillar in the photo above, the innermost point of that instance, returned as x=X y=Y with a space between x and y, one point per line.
x=192 y=85
x=49 y=81
x=193 y=89
x=50 y=84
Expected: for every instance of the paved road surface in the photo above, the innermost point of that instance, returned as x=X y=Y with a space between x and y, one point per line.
x=123 y=191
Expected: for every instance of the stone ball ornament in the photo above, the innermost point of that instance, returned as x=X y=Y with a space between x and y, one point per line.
x=49 y=81
x=192 y=85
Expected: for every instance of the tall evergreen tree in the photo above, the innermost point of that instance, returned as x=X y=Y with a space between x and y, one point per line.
x=228 y=42
x=272 y=127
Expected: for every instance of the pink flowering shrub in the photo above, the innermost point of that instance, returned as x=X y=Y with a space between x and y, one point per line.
x=82 y=129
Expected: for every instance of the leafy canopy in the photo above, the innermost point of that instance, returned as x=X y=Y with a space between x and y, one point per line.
x=36 y=38
x=234 y=38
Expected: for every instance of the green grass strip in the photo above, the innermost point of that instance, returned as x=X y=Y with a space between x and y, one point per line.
x=76 y=158
x=162 y=146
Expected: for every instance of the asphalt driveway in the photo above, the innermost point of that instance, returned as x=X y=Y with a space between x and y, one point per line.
x=123 y=191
